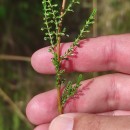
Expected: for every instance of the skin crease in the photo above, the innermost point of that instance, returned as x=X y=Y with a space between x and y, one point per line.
x=107 y=96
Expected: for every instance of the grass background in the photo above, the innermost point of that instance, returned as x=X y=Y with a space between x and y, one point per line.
x=20 y=35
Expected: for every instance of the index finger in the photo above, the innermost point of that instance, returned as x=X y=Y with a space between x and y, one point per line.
x=104 y=94
x=94 y=54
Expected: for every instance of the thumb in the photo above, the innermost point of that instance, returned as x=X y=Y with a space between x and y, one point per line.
x=90 y=122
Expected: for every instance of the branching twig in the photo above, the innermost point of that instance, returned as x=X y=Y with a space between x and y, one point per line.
x=53 y=19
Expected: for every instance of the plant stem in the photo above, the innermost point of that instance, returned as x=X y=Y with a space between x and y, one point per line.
x=59 y=59
x=14 y=58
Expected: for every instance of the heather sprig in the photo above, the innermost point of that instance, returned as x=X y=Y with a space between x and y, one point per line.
x=70 y=6
x=52 y=26
x=70 y=90
x=85 y=29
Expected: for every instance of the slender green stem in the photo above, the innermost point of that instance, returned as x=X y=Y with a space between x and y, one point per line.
x=46 y=22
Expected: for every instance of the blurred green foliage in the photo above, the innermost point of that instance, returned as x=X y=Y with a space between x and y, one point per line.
x=20 y=23
x=114 y=19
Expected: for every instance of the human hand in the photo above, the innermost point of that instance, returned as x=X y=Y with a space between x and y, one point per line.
x=108 y=97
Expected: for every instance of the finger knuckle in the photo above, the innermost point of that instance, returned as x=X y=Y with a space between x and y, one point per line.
x=109 y=52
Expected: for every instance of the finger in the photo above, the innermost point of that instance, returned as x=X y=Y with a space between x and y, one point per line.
x=116 y=113
x=42 y=108
x=112 y=113
x=42 y=127
x=90 y=122
x=96 y=54
x=103 y=94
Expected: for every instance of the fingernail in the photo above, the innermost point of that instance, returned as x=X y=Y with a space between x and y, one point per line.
x=62 y=122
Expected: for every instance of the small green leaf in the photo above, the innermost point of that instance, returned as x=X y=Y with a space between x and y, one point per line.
x=79 y=79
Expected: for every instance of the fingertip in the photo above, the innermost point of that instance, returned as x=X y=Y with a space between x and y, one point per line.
x=63 y=122
x=33 y=111
x=42 y=127
x=42 y=108
x=41 y=61
x=36 y=57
